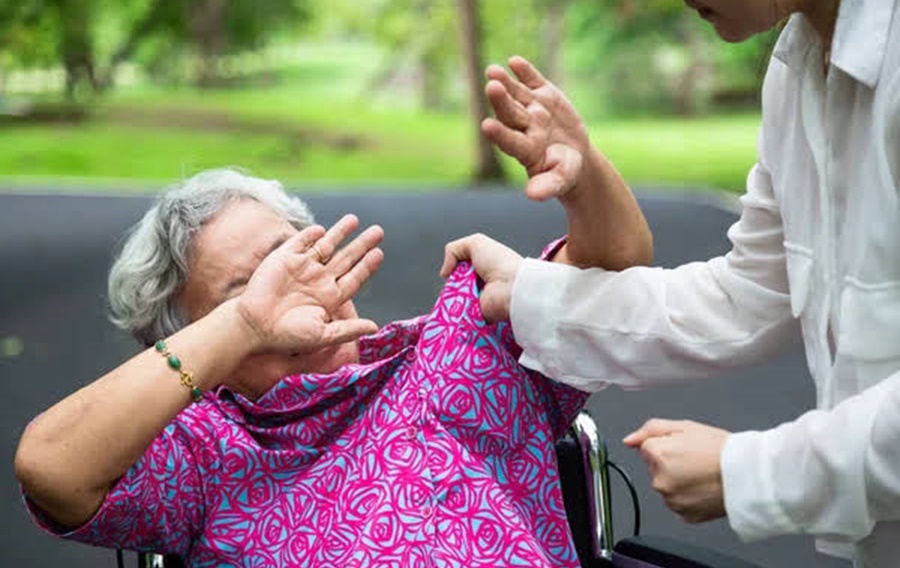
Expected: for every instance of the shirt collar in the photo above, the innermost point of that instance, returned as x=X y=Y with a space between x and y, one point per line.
x=859 y=43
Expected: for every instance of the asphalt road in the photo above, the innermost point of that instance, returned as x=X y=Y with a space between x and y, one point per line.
x=55 y=251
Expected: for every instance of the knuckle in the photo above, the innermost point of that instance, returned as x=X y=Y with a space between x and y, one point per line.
x=538 y=112
x=661 y=486
x=554 y=95
x=649 y=455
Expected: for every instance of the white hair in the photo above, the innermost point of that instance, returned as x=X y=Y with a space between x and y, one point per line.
x=152 y=266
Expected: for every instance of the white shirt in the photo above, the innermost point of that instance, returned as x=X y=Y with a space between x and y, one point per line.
x=817 y=243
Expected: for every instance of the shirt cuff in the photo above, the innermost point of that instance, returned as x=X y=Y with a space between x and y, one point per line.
x=536 y=297
x=749 y=488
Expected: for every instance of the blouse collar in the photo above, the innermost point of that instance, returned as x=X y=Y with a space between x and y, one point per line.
x=859 y=44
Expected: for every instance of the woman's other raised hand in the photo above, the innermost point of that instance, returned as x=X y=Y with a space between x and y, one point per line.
x=536 y=124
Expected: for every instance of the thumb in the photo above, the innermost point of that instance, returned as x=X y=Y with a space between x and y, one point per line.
x=545 y=185
x=562 y=167
x=652 y=428
x=345 y=331
x=455 y=252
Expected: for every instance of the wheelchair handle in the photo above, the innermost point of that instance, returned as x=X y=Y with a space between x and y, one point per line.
x=594 y=455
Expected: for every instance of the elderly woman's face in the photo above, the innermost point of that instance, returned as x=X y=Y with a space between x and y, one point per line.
x=224 y=255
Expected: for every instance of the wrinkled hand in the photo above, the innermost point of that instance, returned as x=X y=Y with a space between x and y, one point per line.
x=291 y=300
x=495 y=263
x=683 y=458
x=537 y=125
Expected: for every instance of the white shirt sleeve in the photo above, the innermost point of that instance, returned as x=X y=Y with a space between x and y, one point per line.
x=829 y=473
x=646 y=326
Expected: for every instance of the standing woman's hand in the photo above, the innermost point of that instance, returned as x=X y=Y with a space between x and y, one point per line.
x=291 y=301
x=495 y=263
x=536 y=124
x=683 y=458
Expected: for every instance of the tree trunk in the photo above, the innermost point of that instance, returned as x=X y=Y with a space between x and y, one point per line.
x=76 y=46
x=692 y=87
x=206 y=21
x=552 y=31
x=488 y=167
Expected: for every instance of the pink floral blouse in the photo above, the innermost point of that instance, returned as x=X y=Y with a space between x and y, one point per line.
x=435 y=450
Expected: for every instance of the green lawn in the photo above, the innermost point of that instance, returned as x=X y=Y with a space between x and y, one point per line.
x=320 y=126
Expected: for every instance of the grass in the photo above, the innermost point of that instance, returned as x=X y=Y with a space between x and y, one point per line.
x=320 y=125
x=712 y=152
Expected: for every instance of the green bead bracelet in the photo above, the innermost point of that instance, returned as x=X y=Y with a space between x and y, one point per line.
x=187 y=378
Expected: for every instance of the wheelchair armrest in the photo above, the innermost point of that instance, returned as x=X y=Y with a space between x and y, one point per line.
x=661 y=551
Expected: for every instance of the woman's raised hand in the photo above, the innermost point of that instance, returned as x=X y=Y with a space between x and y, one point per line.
x=536 y=124
x=291 y=301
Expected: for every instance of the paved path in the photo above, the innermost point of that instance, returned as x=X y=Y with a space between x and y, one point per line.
x=55 y=250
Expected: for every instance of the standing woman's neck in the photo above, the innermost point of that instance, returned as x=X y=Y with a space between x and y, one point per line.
x=822 y=14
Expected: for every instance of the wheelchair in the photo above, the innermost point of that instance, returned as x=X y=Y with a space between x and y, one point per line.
x=584 y=468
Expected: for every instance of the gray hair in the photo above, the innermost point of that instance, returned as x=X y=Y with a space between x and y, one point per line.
x=152 y=266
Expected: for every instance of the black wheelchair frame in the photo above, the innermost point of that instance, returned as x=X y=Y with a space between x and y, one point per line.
x=584 y=468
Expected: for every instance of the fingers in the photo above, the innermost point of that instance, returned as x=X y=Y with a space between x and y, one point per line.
x=304 y=239
x=511 y=142
x=351 y=282
x=456 y=252
x=509 y=111
x=348 y=257
x=329 y=243
x=652 y=428
x=526 y=72
x=650 y=452
x=516 y=90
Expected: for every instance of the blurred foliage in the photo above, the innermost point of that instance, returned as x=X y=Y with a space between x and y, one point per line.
x=637 y=56
x=660 y=58
x=286 y=62
x=89 y=38
x=420 y=41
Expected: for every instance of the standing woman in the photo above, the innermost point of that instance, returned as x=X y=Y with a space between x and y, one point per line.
x=818 y=243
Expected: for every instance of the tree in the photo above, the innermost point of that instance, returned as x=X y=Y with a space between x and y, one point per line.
x=63 y=24
x=207 y=29
x=219 y=27
x=487 y=167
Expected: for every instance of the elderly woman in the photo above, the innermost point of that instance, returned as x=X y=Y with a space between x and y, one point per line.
x=268 y=425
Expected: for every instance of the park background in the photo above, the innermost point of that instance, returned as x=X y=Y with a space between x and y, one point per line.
x=127 y=95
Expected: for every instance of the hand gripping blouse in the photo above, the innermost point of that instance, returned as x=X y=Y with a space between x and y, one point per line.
x=435 y=450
